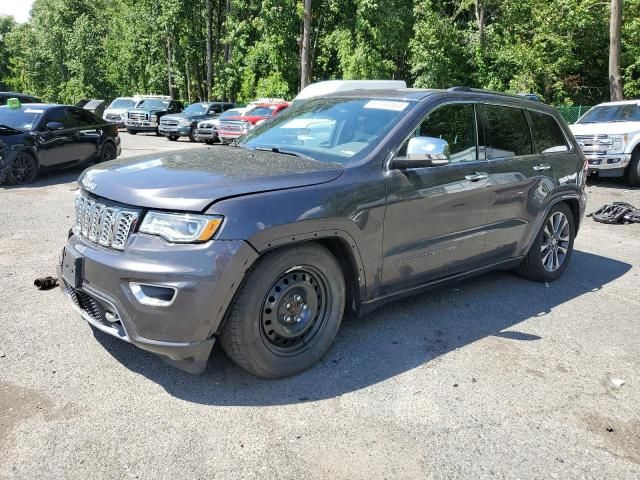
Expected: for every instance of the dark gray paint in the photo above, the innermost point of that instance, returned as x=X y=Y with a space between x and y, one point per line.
x=400 y=230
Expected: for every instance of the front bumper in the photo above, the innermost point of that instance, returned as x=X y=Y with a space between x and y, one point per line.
x=141 y=126
x=609 y=165
x=204 y=277
x=170 y=131
x=206 y=134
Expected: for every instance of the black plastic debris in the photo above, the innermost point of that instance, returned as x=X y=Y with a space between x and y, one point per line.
x=45 y=283
x=617 y=212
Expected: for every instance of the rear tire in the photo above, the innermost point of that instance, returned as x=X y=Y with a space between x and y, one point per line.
x=633 y=170
x=287 y=313
x=552 y=248
x=108 y=152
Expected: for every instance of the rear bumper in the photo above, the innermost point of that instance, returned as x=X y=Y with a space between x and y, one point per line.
x=204 y=278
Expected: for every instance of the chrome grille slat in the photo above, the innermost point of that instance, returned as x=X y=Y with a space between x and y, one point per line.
x=109 y=226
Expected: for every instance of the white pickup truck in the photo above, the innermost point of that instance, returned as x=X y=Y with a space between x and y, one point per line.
x=609 y=135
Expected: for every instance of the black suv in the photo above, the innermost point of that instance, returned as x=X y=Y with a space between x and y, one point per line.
x=334 y=206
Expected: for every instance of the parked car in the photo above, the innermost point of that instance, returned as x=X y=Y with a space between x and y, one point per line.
x=234 y=127
x=36 y=136
x=336 y=205
x=207 y=130
x=184 y=124
x=609 y=135
x=146 y=115
x=116 y=112
x=4 y=96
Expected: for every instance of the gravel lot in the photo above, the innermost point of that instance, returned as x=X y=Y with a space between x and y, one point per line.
x=494 y=377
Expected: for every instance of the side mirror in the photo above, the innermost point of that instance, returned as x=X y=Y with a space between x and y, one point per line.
x=54 y=126
x=423 y=152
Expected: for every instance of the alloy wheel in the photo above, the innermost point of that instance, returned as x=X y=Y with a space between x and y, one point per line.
x=23 y=169
x=556 y=237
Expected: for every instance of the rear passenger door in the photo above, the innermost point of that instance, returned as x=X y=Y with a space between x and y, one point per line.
x=521 y=179
x=87 y=132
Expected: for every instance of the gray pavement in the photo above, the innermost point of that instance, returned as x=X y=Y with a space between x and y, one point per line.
x=494 y=377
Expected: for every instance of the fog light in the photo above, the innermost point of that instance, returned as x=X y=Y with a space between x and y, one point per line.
x=111 y=317
x=153 y=295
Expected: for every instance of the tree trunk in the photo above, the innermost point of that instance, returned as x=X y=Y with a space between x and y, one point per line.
x=615 y=26
x=169 y=79
x=305 y=70
x=209 y=34
x=187 y=75
x=480 y=16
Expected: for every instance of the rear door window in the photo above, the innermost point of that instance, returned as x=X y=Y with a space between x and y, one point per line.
x=547 y=134
x=80 y=118
x=508 y=133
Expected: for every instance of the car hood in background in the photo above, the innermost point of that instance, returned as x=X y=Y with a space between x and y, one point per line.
x=191 y=180
x=610 y=128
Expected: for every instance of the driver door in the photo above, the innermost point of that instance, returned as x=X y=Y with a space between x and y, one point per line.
x=435 y=221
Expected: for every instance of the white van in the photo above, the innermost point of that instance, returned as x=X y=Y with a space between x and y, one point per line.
x=333 y=86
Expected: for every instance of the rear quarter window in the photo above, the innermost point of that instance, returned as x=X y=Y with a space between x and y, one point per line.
x=508 y=132
x=547 y=134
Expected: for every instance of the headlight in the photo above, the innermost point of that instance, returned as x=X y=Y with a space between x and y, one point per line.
x=153 y=118
x=185 y=122
x=181 y=227
x=618 y=142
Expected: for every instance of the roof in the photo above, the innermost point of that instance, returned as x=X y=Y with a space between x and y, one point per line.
x=40 y=106
x=621 y=102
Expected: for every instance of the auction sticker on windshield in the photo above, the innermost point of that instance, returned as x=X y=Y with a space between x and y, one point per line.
x=386 y=105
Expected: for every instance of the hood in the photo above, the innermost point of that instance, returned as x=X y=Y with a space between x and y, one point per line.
x=147 y=110
x=190 y=116
x=613 y=128
x=248 y=118
x=116 y=111
x=191 y=180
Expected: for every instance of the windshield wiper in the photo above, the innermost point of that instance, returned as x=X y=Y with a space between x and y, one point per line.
x=282 y=152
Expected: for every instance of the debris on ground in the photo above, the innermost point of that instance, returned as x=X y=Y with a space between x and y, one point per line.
x=45 y=283
x=617 y=212
x=617 y=382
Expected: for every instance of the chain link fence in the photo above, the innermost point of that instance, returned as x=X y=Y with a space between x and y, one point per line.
x=571 y=114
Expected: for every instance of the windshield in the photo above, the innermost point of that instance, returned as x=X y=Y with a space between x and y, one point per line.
x=340 y=130
x=153 y=104
x=197 y=108
x=20 y=119
x=122 y=103
x=612 y=113
x=232 y=113
x=262 y=111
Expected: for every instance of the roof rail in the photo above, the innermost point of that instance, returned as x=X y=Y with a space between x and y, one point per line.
x=459 y=89
x=527 y=96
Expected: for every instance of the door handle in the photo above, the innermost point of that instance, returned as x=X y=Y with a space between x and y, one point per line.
x=541 y=167
x=474 y=177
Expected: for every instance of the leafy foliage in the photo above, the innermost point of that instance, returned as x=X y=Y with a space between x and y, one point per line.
x=73 y=49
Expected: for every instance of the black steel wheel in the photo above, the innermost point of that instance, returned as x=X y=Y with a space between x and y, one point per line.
x=552 y=248
x=108 y=152
x=287 y=312
x=23 y=170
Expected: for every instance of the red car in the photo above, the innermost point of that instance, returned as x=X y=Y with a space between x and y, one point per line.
x=233 y=127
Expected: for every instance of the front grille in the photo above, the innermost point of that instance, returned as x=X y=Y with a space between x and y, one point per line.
x=107 y=225
x=169 y=123
x=113 y=117
x=232 y=126
x=138 y=116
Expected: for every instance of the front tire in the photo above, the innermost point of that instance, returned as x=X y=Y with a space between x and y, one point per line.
x=552 y=248
x=192 y=135
x=633 y=170
x=287 y=313
x=173 y=138
x=23 y=170
x=131 y=132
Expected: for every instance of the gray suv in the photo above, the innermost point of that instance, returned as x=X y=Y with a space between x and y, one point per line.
x=333 y=207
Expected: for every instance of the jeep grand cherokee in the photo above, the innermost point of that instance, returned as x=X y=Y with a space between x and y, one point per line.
x=334 y=206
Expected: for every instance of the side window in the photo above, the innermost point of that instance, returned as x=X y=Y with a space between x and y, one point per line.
x=454 y=123
x=508 y=132
x=56 y=115
x=547 y=134
x=80 y=118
